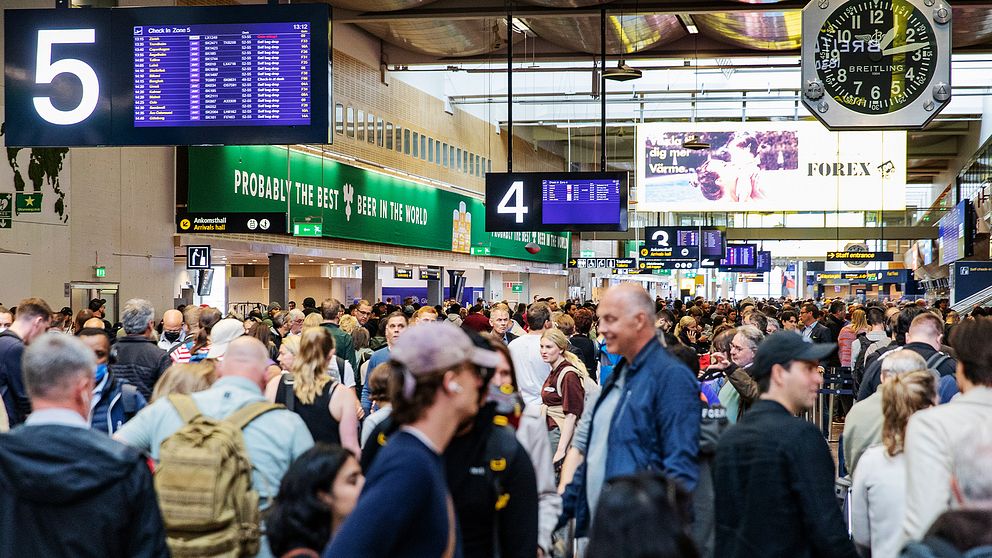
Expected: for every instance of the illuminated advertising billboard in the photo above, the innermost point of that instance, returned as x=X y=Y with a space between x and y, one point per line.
x=768 y=166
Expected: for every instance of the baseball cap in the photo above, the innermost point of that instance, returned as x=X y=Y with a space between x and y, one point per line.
x=96 y=304
x=432 y=346
x=784 y=346
x=222 y=334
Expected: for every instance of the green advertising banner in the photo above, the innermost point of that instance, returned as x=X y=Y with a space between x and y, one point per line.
x=351 y=202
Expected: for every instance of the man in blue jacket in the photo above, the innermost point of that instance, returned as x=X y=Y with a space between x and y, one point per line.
x=647 y=417
x=114 y=400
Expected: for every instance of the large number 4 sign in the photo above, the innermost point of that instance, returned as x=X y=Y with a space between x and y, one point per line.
x=514 y=194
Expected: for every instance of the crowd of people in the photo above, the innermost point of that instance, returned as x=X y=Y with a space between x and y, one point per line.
x=631 y=426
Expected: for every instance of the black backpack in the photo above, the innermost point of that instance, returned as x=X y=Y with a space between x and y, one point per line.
x=858 y=364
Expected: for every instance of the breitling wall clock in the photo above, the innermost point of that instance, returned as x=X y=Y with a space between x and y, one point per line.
x=876 y=64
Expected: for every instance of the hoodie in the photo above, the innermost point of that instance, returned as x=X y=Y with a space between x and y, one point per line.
x=68 y=491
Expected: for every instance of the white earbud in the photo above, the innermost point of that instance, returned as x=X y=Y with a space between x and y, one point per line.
x=454 y=387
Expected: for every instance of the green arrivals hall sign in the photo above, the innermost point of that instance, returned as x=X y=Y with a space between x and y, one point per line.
x=352 y=203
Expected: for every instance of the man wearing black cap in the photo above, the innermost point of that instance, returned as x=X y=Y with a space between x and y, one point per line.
x=99 y=308
x=774 y=475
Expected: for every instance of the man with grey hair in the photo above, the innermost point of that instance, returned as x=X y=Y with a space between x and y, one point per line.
x=966 y=526
x=863 y=426
x=647 y=415
x=294 y=321
x=135 y=358
x=63 y=485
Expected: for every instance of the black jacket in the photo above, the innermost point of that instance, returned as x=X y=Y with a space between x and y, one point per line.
x=585 y=349
x=137 y=360
x=774 y=481
x=873 y=373
x=68 y=491
x=834 y=325
x=494 y=490
x=15 y=396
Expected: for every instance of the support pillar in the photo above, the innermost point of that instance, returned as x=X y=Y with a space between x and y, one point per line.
x=435 y=289
x=279 y=279
x=370 y=280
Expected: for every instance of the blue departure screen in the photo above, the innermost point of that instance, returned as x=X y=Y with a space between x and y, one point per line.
x=740 y=255
x=581 y=201
x=253 y=74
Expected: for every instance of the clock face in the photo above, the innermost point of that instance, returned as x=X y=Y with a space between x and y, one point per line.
x=876 y=56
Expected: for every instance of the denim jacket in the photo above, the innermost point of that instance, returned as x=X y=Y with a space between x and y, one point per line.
x=655 y=426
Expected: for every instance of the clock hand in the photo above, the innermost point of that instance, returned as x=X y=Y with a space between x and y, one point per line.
x=887 y=39
x=904 y=48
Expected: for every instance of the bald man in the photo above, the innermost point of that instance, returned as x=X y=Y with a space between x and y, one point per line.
x=174 y=331
x=658 y=427
x=94 y=322
x=273 y=440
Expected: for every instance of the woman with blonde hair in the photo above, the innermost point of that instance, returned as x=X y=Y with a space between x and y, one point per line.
x=288 y=352
x=313 y=320
x=185 y=379
x=348 y=323
x=850 y=332
x=326 y=406
x=563 y=393
x=878 y=499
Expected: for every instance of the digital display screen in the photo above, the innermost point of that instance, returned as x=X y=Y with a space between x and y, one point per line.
x=197 y=75
x=954 y=234
x=556 y=201
x=740 y=255
x=231 y=74
x=711 y=243
x=580 y=201
x=763 y=263
x=687 y=237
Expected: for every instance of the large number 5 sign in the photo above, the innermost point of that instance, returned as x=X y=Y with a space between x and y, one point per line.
x=47 y=70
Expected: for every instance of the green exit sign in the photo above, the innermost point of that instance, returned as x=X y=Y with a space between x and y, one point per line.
x=518 y=288
x=480 y=250
x=100 y=271
x=308 y=229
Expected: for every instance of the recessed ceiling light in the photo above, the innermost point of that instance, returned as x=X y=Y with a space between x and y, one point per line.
x=311 y=261
x=254 y=260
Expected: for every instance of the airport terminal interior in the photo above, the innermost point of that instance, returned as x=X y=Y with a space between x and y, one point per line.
x=782 y=164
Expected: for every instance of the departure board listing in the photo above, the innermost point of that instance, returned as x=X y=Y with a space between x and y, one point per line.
x=231 y=74
x=185 y=75
x=581 y=201
x=740 y=255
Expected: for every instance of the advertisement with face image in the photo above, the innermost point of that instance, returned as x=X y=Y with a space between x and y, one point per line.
x=768 y=166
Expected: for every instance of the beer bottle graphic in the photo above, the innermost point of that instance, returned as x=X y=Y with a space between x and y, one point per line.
x=461 y=231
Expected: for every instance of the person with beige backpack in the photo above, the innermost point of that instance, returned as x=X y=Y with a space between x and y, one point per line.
x=564 y=391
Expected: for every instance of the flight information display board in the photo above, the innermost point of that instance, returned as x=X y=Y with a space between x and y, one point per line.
x=228 y=74
x=204 y=75
x=740 y=255
x=556 y=201
x=711 y=243
x=580 y=201
x=956 y=233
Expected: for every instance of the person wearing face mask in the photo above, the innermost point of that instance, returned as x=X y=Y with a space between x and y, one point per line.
x=114 y=400
x=435 y=388
x=174 y=333
x=317 y=494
